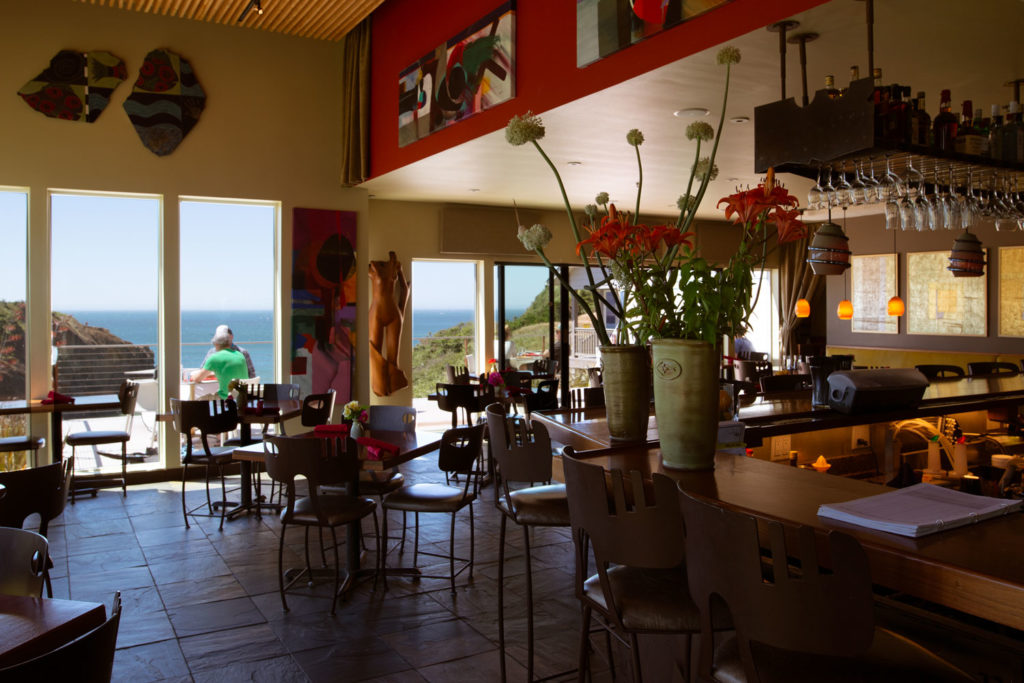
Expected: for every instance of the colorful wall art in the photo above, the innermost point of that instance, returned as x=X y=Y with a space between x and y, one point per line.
x=469 y=73
x=607 y=26
x=873 y=283
x=323 y=301
x=166 y=101
x=76 y=86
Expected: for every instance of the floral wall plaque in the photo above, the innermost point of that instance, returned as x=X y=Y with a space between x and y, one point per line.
x=76 y=86
x=166 y=101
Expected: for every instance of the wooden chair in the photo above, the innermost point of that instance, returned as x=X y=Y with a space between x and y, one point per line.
x=460 y=450
x=39 y=491
x=317 y=409
x=792 y=625
x=751 y=371
x=90 y=657
x=522 y=456
x=322 y=462
x=544 y=397
x=783 y=383
x=208 y=418
x=23 y=556
x=469 y=398
x=637 y=541
x=993 y=369
x=457 y=375
x=127 y=395
x=380 y=484
x=934 y=372
x=586 y=397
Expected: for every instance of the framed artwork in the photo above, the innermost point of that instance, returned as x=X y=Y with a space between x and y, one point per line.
x=938 y=303
x=324 y=301
x=1011 y=291
x=470 y=72
x=607 y=26
x=874 y=282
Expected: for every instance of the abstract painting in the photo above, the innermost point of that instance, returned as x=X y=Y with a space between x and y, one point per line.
x=873 y=284
x=323 y=301
x=938 y=303
x=76 y=86
x=607 y=26
x=470 y=72
x=1011 y=291
x=166 y=101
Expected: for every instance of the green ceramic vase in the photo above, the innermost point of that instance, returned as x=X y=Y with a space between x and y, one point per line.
x=686 y=385
x=627 y=391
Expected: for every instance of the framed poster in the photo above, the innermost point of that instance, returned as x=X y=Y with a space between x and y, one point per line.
x=1011 y=291
x=938 y=303
x=874 y=282
x=324 y=301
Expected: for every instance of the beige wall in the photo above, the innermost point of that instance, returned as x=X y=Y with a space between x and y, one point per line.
x=269 y=132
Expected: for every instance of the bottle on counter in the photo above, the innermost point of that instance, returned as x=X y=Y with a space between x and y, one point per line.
x=969 y=140
x=995 y=134
x=830 y=88
x=1013 y=135
x=920 y=122
x=945 y=124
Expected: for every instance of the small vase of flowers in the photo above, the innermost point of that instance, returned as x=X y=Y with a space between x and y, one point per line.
x=356 y=415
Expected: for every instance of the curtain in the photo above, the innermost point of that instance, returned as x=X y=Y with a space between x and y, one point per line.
x=796 y=281
x=355 y=105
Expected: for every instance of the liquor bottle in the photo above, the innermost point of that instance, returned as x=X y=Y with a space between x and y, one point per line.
x=995 y=134
x=945 y=124
x=1013 y=135
x=830 y=87
x=895 y=116
x=920 y=122
x=854 y=76
x=968 y=140
x=981 y=128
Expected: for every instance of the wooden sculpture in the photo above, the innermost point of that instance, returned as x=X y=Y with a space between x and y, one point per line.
x=387 y=313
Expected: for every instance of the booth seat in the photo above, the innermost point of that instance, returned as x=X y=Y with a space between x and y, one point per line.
x=908 y=358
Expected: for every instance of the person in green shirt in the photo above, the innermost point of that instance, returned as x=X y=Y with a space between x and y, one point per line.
x=224 y=363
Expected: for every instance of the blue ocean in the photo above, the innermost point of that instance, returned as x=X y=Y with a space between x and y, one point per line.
x=253 y=330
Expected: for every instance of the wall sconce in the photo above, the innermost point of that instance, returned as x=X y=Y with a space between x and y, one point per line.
x=803 y=308
x=896 y=307
x=845 y=310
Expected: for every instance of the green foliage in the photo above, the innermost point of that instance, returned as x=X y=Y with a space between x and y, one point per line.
x=537 y=312
x=434 y=352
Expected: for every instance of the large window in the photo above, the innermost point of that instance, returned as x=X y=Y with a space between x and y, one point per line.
x=227 y=278
x=13 y=279
x=443 y=321
x=521 y=291
x=104 y=266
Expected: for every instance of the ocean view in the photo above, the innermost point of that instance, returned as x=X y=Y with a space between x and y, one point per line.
x=253 y=330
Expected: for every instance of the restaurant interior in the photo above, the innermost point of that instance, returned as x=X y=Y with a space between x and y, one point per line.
x=200 y=588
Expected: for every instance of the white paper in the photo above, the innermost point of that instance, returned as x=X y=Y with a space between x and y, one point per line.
x=918 y=510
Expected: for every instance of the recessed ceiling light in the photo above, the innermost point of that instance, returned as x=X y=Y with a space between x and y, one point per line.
x=740 y=119
x=574 y=163
x=691 y=111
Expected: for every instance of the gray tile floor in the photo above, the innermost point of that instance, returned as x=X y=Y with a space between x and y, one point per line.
x=202 y=604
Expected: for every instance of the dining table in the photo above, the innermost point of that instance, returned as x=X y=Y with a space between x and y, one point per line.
x=30 y=626
x=80 y=404
x=410 y=445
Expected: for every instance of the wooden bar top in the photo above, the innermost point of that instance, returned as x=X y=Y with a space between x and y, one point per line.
x=977 y=569
x=30 y=627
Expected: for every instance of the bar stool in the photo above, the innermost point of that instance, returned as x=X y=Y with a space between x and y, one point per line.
x=13 y=444
x=522 y=456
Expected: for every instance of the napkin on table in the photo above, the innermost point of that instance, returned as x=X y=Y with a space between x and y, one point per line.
x=376 y=447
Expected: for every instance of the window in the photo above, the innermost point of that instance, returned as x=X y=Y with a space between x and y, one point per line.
x=443 y=321
x=13 y=282
x=228 y=272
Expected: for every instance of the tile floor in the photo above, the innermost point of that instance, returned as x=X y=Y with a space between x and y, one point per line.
x=202 y=605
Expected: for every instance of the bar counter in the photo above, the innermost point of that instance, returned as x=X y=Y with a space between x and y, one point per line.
x=977 y=569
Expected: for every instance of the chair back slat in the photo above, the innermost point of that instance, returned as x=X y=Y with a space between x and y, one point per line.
x=999 y=369
x=797 y=605
x=392 y=418
x=22 y=562
x=933 y=372
x=317 y=409
x=522 y=452
x=321 y=461
x=460 y=449
x=207 y=417
x=37 y=490
x=280 y=392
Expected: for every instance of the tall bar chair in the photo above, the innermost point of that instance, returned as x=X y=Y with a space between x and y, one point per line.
x=127 y=395
x=208 y=418
x=522 y=456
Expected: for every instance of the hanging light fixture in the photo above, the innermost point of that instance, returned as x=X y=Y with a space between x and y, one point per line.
x=829 y=251
x=803 y=308
x=967 y=259
x=895 y=306
x=845 y=310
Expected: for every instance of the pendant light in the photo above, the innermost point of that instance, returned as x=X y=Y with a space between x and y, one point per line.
x=967 y=259
x=895 y=306
x=803 y=308
x=829 y=251
x=845 y=309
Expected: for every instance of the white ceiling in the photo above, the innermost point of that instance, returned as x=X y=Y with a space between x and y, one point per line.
x=927 y=44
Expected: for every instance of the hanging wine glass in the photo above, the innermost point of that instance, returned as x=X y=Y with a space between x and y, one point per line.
x=830 y=190
x=951 y=207
x=859 y=189
x=815 y=196
x=917 y=198
x=935 y=205
x=844 y=190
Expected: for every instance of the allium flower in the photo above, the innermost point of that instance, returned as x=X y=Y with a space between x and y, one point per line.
x=700 y=130
x=523 y=129
x=535 y=237
x=729 y=55
x=635 y=137
x=705 y=168
x=590 y=210
x=686 y=203
x=601 y=198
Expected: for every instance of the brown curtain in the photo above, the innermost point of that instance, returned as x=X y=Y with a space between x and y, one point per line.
x=796 y=281
x=355 y=105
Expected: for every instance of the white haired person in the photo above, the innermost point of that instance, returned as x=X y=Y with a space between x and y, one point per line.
x=234 y=347
x=224 y=363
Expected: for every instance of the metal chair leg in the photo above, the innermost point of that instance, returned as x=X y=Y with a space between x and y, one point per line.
x=184 y=508
x=583 y=665
x=501 y=596
x=280 y=567
x=451 y=554
x=124 y=469
x=529 y=603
